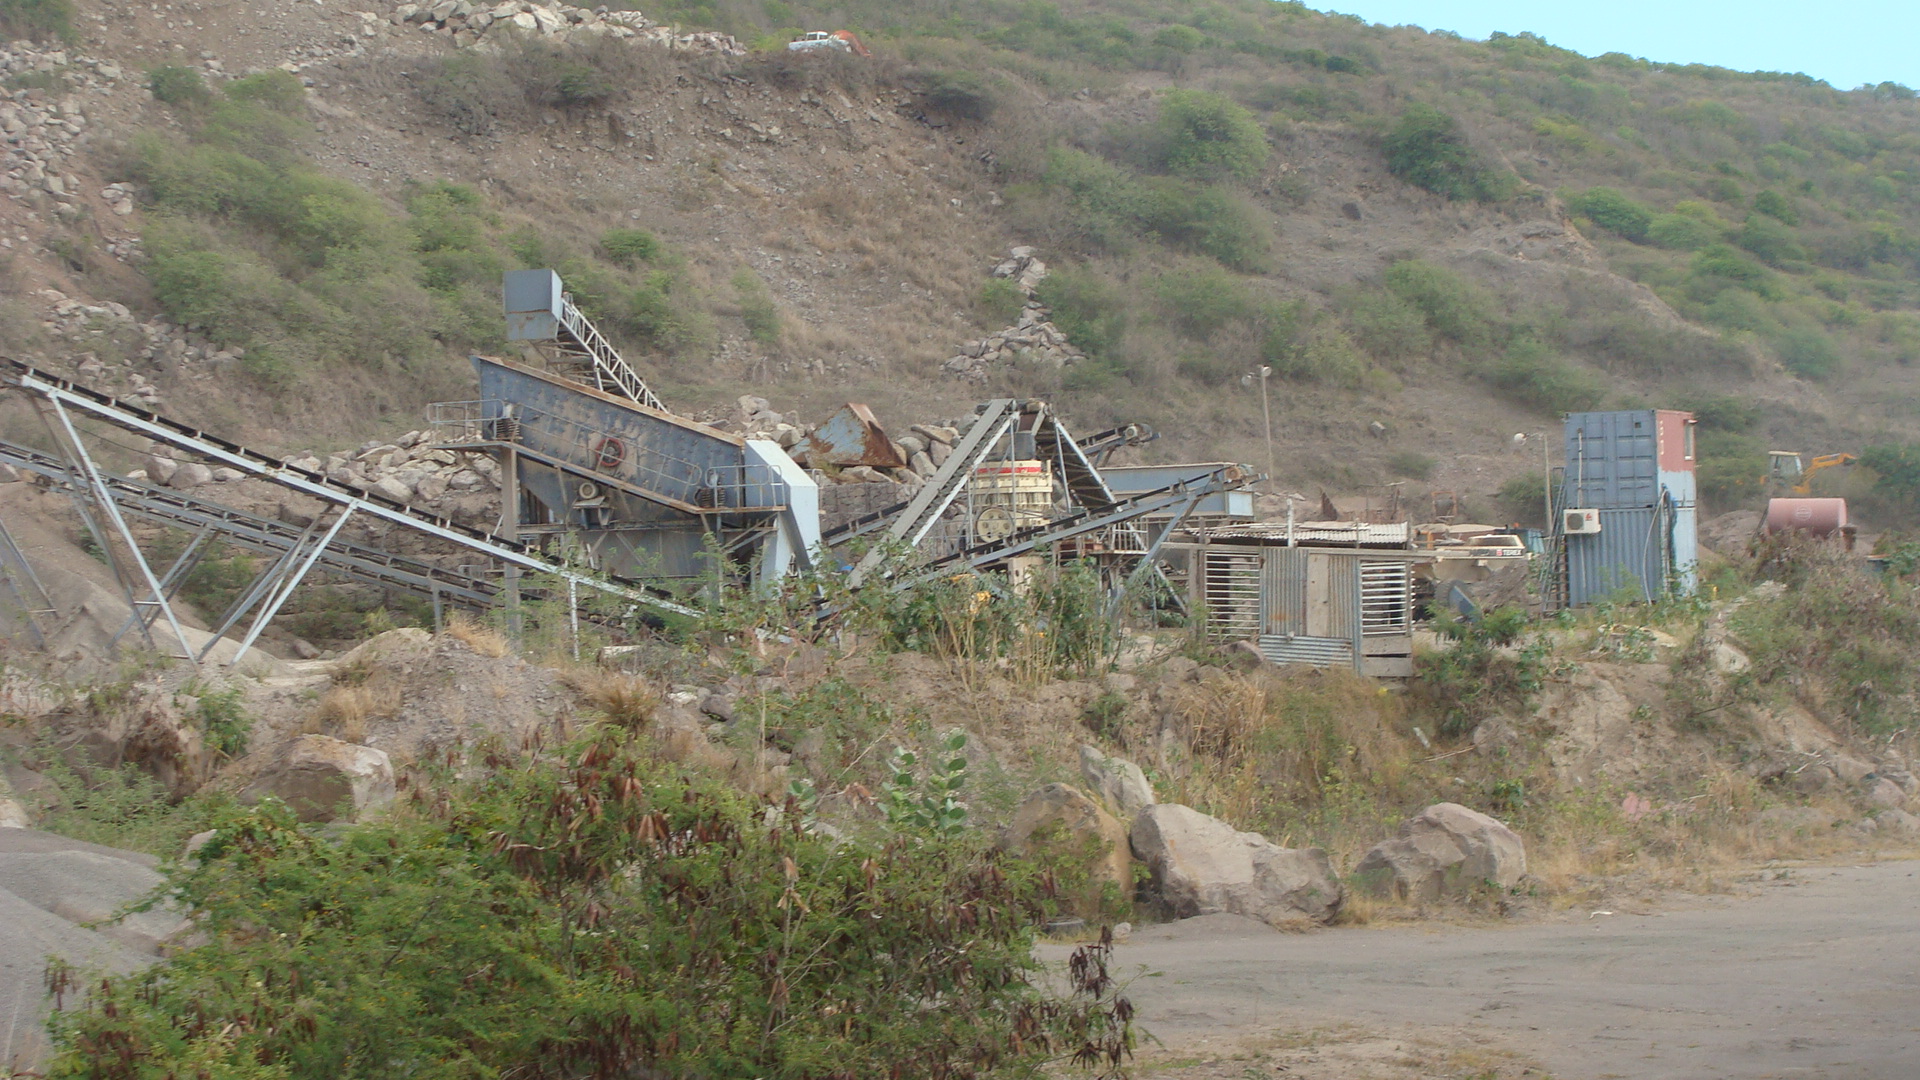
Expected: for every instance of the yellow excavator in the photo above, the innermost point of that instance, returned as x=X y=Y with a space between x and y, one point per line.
x=1788 y=475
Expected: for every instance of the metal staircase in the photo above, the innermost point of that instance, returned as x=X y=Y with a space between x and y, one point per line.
x=594 y=359
x=540 y=311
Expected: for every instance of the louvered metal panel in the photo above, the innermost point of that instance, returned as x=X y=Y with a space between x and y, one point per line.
x=1386 y=598
x=1233 y=594
x=1314 y=651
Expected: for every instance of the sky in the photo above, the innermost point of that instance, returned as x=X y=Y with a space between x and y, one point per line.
x=1845 y=42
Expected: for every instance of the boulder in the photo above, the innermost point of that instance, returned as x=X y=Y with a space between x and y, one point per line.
x=1115 y=781
x=190 y=474
x=1204 y=866
x=393 y=488
x=1886 y=792
x=89 y=888
x=1444 y=850
x=318 y=775
x=1061 y=821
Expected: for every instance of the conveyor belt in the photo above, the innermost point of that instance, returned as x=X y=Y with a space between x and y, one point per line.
x=212 y=447
x=252 y=532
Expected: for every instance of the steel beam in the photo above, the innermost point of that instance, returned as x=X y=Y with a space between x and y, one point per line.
x=131 y=418
x=65 y=433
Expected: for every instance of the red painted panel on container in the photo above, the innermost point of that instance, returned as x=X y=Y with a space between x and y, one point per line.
x=1676 y=440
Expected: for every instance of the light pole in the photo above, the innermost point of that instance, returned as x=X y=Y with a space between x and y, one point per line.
x=1266 y=412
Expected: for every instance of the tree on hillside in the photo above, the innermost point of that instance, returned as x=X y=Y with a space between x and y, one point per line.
x=1207 y=137
x=1429 y=149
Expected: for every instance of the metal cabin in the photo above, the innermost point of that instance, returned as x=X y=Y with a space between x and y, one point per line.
x=1323 y=594
x=1628 y=513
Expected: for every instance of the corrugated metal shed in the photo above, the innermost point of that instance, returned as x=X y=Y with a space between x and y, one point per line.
x=1350 y=534
x=1321 y=606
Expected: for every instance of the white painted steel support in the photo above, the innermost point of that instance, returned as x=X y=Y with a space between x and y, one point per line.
x=17 y=576
x=171 y=581
x=913 y=523
x=272 y=607
x=103 y=498
x=145 y=423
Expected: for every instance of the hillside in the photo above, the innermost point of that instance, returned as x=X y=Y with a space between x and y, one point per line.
x=1455 y=240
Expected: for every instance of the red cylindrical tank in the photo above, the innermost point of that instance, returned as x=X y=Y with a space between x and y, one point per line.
x=1815 y=517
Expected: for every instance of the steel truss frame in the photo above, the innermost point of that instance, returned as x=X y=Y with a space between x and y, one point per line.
x=100 y=500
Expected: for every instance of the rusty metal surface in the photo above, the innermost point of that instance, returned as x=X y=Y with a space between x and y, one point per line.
x=851 y=437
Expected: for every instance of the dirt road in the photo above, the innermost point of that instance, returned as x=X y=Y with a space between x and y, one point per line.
x=1816 y=973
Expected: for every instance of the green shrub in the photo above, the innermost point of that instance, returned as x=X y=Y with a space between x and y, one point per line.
x=1775 y=205
x=590 y=912
x=1089 y=309
x=1719 y=412
x=1205 y=136
x=628 y=247
x=1386 y=326
x=1522 y=499
x=37 y=20
x=1613 y=211
x=273 y=88
x=1770 y=240
x=581 y=86
x=1529 y=372
x=1721 y=266
x=1180 y=39
x=1731 y=468
x=1455 y=308
x=1410 y=464
x=1682 y=232
x=662 y=315
x=1202 y=301
x=757 y=308
x=1208 y=220
x=1807 y=353
x=173 y=84
x=1000 y=301
x=1429 y=149
x=1323 y=354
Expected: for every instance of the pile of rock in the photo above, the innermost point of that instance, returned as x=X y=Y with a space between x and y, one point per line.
x=480 y=24
x=43 y=123
x=408 y=470
x=1032 y=337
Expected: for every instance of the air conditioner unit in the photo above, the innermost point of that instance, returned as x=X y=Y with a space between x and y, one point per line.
x=1580 y=522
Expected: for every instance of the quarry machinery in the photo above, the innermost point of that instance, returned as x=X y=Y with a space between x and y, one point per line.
x=594 y=465
x=1789 y=475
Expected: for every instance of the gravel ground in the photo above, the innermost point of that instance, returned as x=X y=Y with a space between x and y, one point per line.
x=1811 y=973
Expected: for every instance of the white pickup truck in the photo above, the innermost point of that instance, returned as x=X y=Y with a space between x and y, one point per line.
x=822 y=40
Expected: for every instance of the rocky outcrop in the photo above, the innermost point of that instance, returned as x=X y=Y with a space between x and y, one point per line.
x=42 y=125
x=1061 y=821
x=323 y=778
x=52 y=889
x=1032 y=337
x=469 y=23
x=1115 y=781
x=1204 y=866
x=1443 y=851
